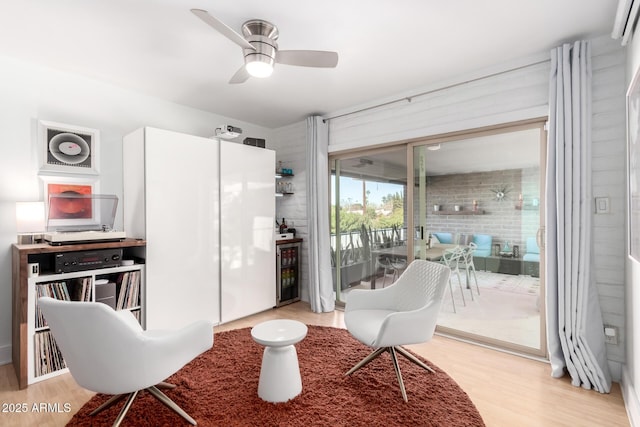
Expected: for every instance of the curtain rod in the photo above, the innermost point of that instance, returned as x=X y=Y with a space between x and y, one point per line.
x=410 y=98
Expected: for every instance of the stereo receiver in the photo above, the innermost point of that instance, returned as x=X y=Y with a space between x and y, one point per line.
x=67 y=262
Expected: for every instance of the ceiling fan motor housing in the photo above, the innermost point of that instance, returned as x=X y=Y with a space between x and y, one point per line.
x=262 y=35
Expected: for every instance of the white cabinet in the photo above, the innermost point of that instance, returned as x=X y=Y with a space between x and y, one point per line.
x=197 y=203
x=247 y=241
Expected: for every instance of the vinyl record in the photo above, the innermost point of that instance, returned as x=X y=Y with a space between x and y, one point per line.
x=69 y=148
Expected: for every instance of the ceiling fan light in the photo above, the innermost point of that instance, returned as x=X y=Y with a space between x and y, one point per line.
x=259 y=69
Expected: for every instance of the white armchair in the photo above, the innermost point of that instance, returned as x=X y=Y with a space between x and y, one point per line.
x=401 y=314
x=108 y=352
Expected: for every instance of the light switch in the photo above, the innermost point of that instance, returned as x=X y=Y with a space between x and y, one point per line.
x=602 y=205
x=611 y=334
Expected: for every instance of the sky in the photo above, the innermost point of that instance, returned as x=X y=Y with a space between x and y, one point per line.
x=351 y=190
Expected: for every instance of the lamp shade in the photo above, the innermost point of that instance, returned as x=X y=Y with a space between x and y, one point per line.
x=30 y=217
x=259 y=69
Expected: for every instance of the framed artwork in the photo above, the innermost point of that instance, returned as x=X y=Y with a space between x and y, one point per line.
x=69 y=202
x=69 y=149
x=633 y=167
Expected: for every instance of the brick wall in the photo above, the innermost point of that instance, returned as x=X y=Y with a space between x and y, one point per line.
x=501 y=219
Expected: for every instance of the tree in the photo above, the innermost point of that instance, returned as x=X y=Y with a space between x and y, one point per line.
x=353 y=221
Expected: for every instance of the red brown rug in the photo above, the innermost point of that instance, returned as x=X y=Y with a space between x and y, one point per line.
x=219 y=388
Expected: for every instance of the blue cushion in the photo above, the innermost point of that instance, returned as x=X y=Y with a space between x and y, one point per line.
x=533 y=251
x=483 y=241
x=532 y=246
x=444 y=237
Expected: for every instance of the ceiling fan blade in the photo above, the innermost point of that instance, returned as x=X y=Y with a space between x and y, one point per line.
x=222 y=28
x=240 y=76
x=308 y=58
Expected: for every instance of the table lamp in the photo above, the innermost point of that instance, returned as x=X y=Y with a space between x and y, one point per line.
x=29 y=221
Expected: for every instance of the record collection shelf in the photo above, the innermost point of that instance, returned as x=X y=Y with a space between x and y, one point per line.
x=35 y=353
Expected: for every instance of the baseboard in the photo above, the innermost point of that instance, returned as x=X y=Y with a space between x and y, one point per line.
x=5 y=354
x=615 y=369
x=631 y=402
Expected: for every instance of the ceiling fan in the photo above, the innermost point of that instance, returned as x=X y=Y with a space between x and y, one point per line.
x=261 y=50
x=363 y=162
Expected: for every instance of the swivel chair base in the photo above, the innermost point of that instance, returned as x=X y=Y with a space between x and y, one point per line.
x=131 y=396
x=394 y=359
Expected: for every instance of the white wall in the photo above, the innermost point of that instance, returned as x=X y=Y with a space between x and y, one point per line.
x=29 y=93
x=608 y=180
x=517 y=95
x=631 y=371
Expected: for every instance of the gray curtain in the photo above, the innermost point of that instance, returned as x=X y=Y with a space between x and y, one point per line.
x=575 y=330
x=320 y=282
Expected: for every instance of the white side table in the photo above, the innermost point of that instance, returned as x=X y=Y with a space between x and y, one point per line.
x=280 y=374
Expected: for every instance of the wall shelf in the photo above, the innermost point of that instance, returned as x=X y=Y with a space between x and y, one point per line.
x=283 y=175
x=463 y=212
x=527 y=208
x=280 y=175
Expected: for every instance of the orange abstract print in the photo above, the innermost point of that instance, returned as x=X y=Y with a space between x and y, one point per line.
x=72 y=207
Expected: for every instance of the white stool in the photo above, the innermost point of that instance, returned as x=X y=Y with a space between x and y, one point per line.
x=280 y=374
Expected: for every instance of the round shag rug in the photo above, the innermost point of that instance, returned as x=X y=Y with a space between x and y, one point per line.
x=219 y=388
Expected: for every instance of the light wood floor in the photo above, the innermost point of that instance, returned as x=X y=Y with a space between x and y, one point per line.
x=507 y=390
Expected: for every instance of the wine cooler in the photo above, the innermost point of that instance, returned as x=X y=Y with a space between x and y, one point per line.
x=288 y=272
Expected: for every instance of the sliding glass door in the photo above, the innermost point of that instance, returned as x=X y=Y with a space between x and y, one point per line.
x=477 y=204
x=473 y=201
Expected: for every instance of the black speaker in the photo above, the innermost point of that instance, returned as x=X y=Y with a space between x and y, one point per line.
x=256 y=142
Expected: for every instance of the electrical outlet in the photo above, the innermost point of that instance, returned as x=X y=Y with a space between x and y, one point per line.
x=611 y=334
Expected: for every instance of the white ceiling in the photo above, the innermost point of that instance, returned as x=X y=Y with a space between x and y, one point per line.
x=385 y=47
